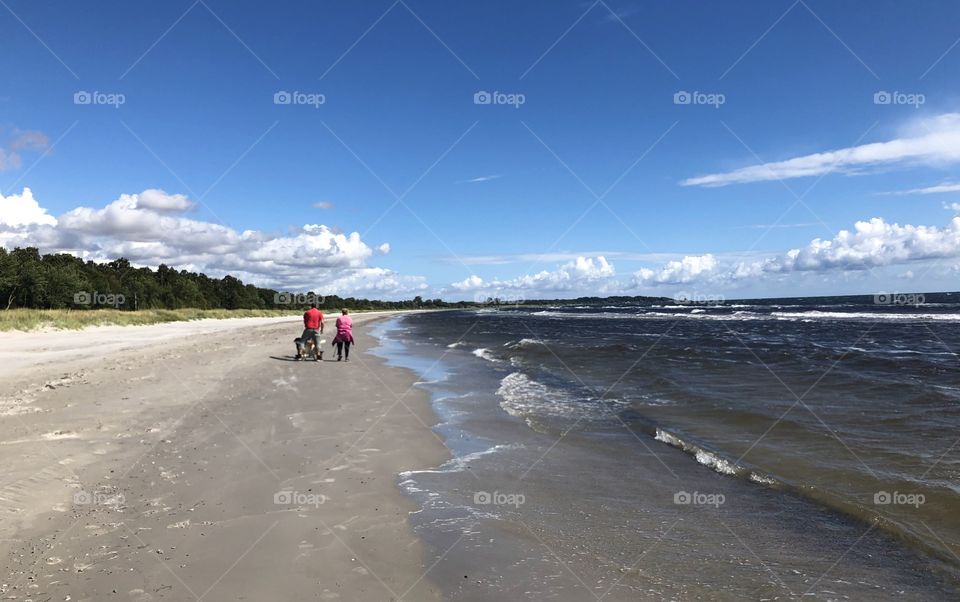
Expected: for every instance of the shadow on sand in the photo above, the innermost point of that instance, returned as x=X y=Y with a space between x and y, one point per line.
x=293 y=359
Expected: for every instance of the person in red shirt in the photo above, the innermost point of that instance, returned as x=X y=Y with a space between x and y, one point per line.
x=312 y=326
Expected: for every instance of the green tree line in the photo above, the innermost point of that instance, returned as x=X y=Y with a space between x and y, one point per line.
x=31 y=280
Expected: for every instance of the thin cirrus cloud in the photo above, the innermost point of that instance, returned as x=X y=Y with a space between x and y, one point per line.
x=479 y=179
x=11 y=152
x=777 y=226
x=932 y=142
x=555 y=256
x=938 y=189
x=150 y=228
x=323 y=205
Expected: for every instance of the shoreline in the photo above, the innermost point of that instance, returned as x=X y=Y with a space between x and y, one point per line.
x=210 y=464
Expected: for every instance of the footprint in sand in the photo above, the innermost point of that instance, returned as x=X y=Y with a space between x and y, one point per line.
x=57 y=435
x=281 y=383
x=15 y=409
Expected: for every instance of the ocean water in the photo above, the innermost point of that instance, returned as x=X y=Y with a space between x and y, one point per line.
x=757 y=450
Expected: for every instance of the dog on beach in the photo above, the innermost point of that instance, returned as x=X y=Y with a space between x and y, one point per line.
x=309 y=349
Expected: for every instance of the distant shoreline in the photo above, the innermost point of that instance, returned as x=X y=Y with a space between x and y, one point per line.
x=34 y=320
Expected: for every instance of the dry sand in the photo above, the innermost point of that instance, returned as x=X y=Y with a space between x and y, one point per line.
x=196 y=460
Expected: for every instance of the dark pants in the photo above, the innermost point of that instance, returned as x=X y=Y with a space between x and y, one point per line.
x=343 y=348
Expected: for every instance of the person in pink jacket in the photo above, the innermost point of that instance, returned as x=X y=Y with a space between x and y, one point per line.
x=344 y=337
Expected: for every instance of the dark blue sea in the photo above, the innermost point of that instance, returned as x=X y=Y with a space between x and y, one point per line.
x=775 y=449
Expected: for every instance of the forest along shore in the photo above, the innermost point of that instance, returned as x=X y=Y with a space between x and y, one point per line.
x=198 y=459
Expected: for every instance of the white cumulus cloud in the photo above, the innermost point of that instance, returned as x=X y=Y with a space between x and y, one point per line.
x=582 y=274
x=372 y=282
x=691 y=267
x=470 y=283
x=871 y=243
x=19 y=210
x=161 y=202
x=148 y=229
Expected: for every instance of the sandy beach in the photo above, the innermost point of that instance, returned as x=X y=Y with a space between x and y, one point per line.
x=199 y=461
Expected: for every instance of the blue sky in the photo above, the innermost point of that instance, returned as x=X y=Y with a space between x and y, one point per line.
x=603 y=181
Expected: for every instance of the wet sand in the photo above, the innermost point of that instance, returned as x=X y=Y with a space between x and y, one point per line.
x=192 y=461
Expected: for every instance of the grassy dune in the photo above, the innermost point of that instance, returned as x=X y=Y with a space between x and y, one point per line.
x=75 y=319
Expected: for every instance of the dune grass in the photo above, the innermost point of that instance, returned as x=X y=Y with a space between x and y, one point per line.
x=76 y=319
